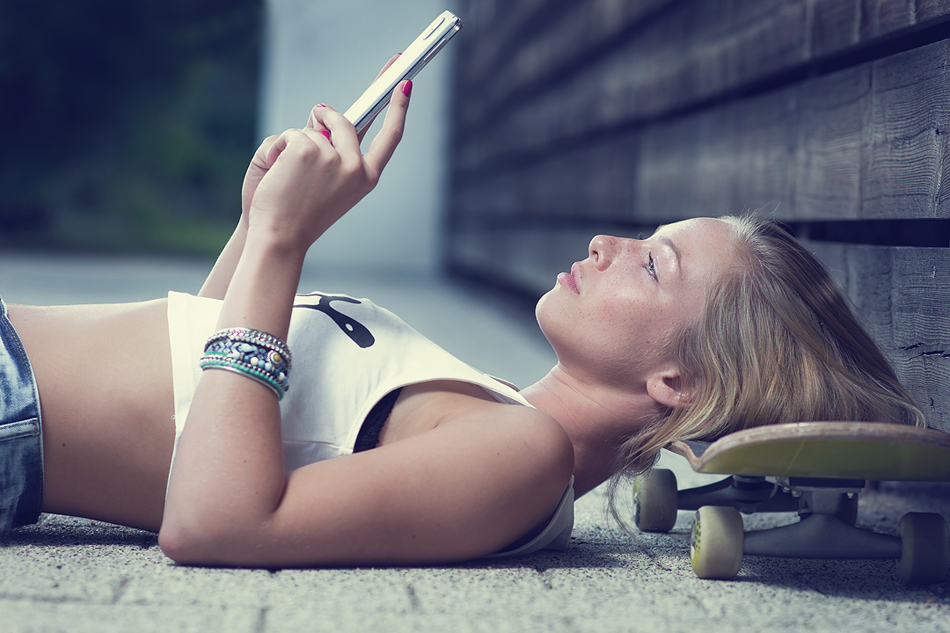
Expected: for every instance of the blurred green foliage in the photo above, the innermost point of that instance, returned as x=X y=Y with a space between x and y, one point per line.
x=126 y=124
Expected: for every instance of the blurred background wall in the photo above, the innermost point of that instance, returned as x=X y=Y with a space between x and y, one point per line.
x=126 y=126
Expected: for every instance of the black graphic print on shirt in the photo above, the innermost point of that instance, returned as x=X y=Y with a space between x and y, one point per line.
x=358 y=332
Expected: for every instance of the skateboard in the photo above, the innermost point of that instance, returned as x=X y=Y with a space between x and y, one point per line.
x=817 y=469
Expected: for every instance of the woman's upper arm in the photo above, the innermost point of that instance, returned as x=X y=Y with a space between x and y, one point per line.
x=465 y=489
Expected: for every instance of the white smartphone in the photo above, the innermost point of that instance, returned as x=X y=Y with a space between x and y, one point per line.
x=412 y=60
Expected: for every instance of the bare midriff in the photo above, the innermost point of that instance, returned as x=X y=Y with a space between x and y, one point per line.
x=105 y=384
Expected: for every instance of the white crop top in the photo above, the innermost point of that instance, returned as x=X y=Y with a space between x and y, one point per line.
x=347 y=355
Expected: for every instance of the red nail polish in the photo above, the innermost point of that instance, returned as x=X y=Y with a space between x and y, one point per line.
x=326 y=133
x=321 y=105
x=407 y=89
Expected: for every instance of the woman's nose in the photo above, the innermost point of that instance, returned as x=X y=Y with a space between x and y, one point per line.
x=601 y=251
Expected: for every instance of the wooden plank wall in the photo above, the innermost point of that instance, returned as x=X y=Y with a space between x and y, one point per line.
x=577 y=117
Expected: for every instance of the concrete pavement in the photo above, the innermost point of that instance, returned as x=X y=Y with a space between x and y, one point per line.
x=77 y=575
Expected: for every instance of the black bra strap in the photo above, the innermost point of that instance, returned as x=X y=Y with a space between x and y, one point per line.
x=368 y=436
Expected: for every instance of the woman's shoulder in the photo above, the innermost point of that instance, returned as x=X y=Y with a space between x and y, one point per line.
x=467 y=411
x=527 y=443
x=495 y=471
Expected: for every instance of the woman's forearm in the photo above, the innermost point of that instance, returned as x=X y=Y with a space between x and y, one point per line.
x=228 y=476
x=216 y=285
x=262 y=289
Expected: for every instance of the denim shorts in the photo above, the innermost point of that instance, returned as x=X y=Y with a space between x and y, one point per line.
x=21 y=433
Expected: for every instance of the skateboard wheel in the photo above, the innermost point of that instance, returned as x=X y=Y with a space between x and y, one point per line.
x=655 y=500
x=925 y=548
x=715 y=545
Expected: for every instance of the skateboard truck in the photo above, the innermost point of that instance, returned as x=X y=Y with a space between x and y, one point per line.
x=746 y=494
x=828 y=509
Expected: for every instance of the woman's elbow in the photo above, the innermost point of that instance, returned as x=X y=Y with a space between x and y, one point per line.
x=183 y=545
x=202 y=542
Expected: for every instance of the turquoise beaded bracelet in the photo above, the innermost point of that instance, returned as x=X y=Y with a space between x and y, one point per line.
x=251 y=353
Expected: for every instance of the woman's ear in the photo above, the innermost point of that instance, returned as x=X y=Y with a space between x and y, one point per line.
x=666 y=388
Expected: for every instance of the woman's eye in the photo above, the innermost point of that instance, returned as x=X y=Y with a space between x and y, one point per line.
x=651 y=266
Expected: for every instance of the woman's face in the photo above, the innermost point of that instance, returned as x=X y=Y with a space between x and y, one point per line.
x=613 y=316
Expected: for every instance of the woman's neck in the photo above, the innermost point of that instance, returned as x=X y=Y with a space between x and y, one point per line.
x=598 y=420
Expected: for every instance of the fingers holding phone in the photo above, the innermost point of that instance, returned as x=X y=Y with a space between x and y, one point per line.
x=312 y=122
x=338 y=128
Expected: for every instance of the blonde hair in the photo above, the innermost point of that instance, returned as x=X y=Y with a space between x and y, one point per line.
x=776 y=342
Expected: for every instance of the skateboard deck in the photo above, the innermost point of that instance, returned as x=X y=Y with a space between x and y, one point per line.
x=836 y=450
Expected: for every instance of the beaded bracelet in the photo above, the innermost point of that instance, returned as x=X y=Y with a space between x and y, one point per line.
x=252 y=353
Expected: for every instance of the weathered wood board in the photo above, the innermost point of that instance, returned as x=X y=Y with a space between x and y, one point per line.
x=550 y=70
x=865 y=142
x=902 y=295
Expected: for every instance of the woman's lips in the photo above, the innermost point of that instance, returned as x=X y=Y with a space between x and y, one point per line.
x=570 y=279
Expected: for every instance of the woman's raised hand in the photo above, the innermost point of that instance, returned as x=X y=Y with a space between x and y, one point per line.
x=258 y=168
x=280 y=186
x=302 y=181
